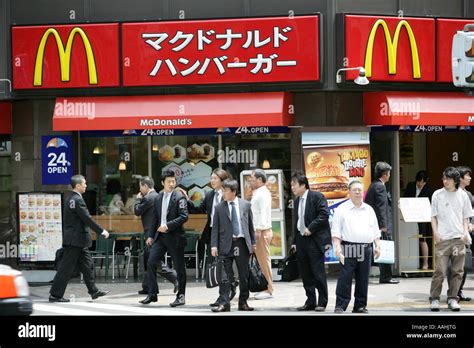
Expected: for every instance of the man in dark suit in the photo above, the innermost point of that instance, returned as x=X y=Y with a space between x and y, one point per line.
x=233 y=238
x=167 y=235
x=420 y=188
x=207 y=206
x=76 y=243
x=378 y=198
x=144 y=207
x=311 y=239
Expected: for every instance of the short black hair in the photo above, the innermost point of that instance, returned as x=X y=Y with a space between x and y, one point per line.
x=147 y=181
x=353 y=182
x=260 y=174
x=167 y=174
x=453 y=173
x=300 y=178
x=77 y=180
x=463 y=170
x=422 y=175
x=381 y=168
x=231 y=184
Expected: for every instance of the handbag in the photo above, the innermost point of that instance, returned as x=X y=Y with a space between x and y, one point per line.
x=213 y=273
x=257 y=280
x=387 y=252
x=288 y=268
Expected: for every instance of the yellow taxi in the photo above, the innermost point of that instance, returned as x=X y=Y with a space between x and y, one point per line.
x=14 y=293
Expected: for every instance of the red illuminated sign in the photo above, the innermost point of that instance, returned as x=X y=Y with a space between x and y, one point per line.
x=221 y=51
x=391 y=49
x=65 y=56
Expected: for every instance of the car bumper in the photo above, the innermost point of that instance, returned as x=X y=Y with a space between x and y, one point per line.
x=16 y=306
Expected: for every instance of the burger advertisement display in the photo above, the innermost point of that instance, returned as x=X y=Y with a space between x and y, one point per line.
x=330 y=169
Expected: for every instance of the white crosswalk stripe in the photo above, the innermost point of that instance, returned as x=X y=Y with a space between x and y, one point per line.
x=95 y=308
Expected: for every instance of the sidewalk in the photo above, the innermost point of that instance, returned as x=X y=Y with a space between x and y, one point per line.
x=409 y=297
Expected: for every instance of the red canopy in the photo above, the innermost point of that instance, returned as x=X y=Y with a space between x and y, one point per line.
x=5 y=118
x=418 y=108
x=172 y=111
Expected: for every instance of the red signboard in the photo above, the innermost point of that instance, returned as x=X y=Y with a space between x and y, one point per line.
x=5 y=118
x=173 y=111
x=445 y=30
x=65 y=56
x=391 y=49
x=221 y=51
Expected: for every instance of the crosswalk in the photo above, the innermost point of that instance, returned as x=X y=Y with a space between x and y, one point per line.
x=89 y=308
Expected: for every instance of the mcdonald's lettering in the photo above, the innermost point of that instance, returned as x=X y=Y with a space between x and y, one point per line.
x=392 y=48
x=64 y=56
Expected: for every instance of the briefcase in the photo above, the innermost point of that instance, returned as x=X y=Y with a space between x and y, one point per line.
x=257 y=280
x=387 y=252
x=213 y=273
x=288 y=268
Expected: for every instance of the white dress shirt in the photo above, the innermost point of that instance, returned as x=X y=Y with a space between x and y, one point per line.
x=262 y=208
x=237 y=211
x=356 y=225
x=164 y=207
x=301 y=210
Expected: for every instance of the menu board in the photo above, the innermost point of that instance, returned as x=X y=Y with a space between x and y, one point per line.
x=274 y=184
x=40 y=226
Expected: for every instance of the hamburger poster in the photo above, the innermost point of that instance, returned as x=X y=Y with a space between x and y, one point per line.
x=330 y=169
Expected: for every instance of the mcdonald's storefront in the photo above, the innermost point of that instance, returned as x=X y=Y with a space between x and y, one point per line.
x=417 y=121
x=126 y=124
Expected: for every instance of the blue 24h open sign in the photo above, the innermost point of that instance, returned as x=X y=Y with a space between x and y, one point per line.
x=57 y=159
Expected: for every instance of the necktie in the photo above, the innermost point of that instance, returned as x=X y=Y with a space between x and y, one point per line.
x=302 y=226
x=235 y=222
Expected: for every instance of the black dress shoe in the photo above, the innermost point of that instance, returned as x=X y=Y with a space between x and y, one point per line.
x=338 y=310
x=391 y=281
x=149 y=299
x=143 y=292
x=320 y=309
x=99 y=293
x=463 y=298
x=215 y=304
x=306 y=308
x=360 y=310
x=58 y=299
x=245 y=307
x=221 y=308
x=178 y=302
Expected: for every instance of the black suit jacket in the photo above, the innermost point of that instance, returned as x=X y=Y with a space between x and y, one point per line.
x=177 y=215
x=76 y=221
x=144 y=208
x=377 y=197
x=222 y=233
x=316 y=219
x=204 y=208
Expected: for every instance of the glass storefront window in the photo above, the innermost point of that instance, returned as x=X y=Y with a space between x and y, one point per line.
x=113 y=167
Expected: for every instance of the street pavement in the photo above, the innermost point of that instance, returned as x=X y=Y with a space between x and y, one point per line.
x=408 y=298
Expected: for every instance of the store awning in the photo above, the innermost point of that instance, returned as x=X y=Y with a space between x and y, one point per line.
x=173 y=111
x=418 y=108
x=5 y=118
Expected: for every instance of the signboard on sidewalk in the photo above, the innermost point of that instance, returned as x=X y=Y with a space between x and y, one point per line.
x=57 y=159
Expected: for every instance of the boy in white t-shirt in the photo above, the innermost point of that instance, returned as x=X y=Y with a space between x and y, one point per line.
x=450 y=213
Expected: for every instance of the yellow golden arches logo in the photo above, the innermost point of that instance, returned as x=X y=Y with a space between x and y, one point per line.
x=64 y=56
x=392 y=48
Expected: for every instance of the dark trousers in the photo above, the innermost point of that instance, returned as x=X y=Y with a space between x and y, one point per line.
x=74 y=257
x=357 y=263
x=157 y=252
x=385 y=269
x=163 y=270
x=311 y=265
x=240 y=253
